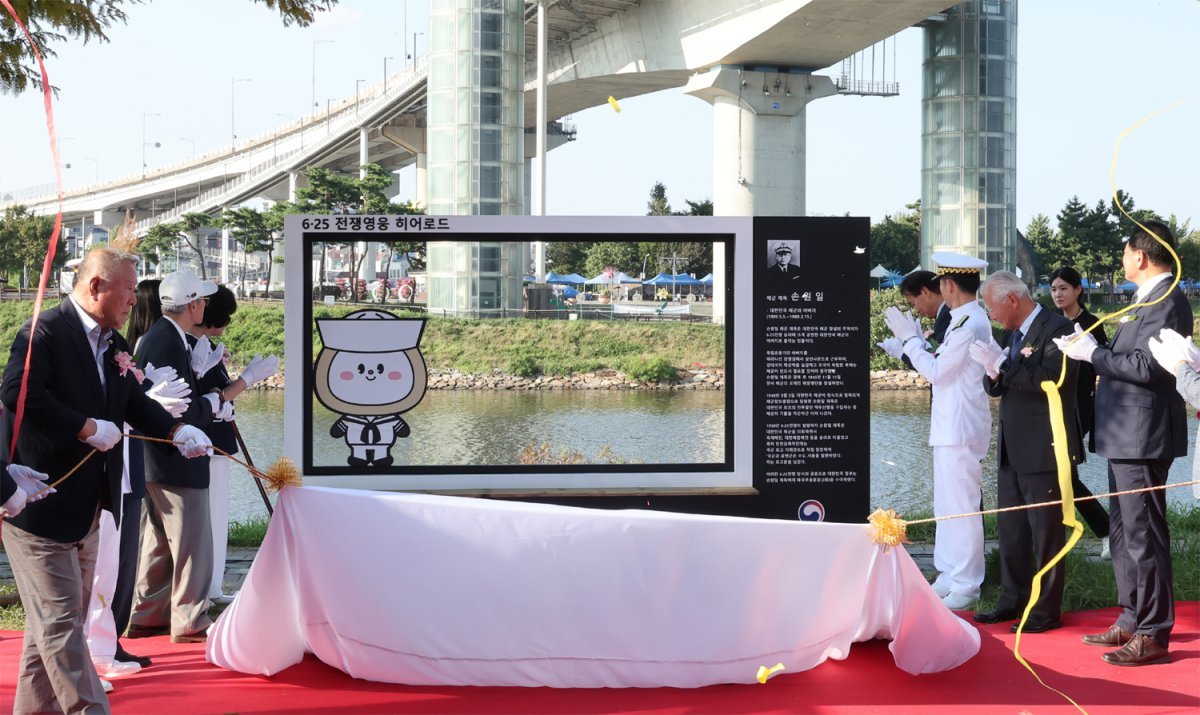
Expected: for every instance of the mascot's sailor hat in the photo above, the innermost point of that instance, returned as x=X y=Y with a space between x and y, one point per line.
x=950 y=262
x=370 y=331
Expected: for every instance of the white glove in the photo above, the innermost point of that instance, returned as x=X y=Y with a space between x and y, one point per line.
x=1183 y=349
x=259 y=369
x=901 y=324
x=1077 y=346
x=206 y=356
x=225 y=414
x=192 y=442
x=30 y=484
x=172 y=395
x=159 y=374
x=106 y=435
x=893 y=347
x=988 y=354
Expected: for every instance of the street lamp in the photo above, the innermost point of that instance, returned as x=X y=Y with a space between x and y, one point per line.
x=385 y=75
x=314 y=71
x=357 y=82
x=414 y=52
x=232 y=108
x=145 y=116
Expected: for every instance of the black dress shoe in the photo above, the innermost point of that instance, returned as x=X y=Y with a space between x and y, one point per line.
x=997 y=615
x=124 y=656
x=1038 y=625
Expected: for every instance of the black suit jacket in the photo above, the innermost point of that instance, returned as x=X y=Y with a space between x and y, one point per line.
x=1139 y=415
x=940 y=324
x=1025 y=437
x=777 y=281
x=163 y=345
x=64 y=390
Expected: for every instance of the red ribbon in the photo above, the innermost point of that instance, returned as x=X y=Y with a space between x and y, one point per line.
x=52 y=248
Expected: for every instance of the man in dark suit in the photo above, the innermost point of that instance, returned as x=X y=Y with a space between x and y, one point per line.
x=922 y=290
x=1141 y=427
x=176 y=554
x=79 y=388
x=784 y=275
x=1027 y=471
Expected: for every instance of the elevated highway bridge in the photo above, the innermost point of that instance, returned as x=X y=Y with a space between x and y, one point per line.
x=753 y=59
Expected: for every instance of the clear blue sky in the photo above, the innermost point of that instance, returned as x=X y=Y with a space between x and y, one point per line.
x=1086 y=72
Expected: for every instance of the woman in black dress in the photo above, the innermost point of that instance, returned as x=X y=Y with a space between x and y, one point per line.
x=1066 y=288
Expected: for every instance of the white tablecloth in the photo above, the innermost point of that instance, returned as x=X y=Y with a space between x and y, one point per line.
x=432 y=590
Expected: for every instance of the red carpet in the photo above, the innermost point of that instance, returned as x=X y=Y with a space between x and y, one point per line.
x=181 y=681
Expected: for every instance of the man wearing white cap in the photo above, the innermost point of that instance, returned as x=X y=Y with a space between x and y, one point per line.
x=960 y=426
x=175 y=561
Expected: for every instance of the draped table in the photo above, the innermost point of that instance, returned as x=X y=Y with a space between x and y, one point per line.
x=436 y=590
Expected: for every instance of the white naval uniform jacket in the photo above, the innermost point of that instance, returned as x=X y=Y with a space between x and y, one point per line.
x=961 y=412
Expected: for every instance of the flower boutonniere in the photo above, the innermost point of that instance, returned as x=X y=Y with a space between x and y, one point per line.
x=126 y=364
x=1028 y=351
x=1128 y=318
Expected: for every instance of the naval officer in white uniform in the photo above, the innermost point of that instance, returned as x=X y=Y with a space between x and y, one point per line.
x=960 y=426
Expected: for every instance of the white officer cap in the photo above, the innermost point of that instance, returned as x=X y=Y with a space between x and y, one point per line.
x=950 y=262
x=782 y=247
x=370 y=331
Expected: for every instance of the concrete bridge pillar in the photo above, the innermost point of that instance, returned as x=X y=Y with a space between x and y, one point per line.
x=759 y=137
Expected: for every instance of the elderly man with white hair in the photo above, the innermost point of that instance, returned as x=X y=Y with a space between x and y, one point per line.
x=1026 y=470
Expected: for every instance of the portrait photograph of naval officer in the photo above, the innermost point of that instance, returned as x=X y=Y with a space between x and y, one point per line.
x=783 y=269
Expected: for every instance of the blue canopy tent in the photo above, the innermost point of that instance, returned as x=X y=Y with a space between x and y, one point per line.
x=707 y=280
x=565 y=280
x=1127 y=287
x=678 y=279
x=617 y=278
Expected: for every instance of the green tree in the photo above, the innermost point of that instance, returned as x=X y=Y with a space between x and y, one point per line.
x=248 y=227
x=896 y=242
x=701 y=208
x=619 y=255
x=568 y=256
x=24 y=237
x=89 y=20
x=163 y=237
x=673 y=257
x=658 y=204
x=1043 y=238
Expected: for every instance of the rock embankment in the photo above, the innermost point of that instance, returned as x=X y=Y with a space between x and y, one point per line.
x=599 y=380
x=608 y=380
x=709 y=379
x=898 y=380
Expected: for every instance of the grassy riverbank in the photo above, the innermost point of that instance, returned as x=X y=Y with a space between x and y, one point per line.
x=514 y=346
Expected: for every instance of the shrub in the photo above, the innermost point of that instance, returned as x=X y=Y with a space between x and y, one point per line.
x=655 y=369
x=524 y=366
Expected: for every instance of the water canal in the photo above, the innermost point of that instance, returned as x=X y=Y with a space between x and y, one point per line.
x=492 y=426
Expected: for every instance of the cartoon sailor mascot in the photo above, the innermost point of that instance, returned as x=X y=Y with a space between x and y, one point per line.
x=370 y=371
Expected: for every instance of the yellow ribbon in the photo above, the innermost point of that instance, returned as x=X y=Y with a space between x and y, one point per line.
x=764 y=673
x=1058 y=426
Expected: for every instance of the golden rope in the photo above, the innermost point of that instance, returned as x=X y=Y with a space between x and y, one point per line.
x=1053 y=503
x=282 y=473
